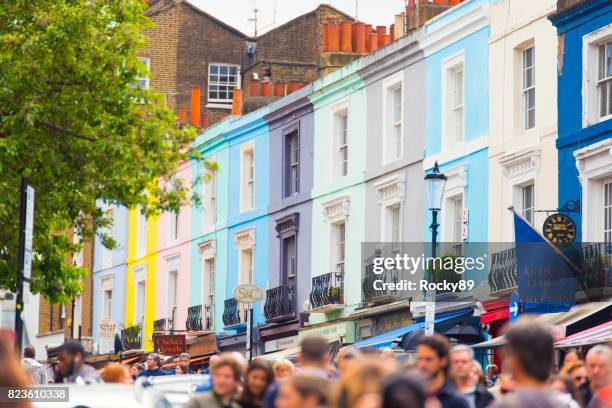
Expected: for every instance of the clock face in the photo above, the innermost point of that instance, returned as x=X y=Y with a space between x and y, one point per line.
x=559 y=229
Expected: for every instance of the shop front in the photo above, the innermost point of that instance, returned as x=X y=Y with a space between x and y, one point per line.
x=375 y=320
x=236 y=342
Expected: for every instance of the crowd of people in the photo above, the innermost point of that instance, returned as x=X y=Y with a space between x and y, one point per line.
x=436 y=376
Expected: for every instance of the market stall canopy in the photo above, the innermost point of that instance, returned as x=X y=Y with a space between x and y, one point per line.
x=594 y=335
x=555 y=320
x=291 y=353
x=388 y=338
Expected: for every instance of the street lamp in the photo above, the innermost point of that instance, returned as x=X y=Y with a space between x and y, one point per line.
x=436 y=182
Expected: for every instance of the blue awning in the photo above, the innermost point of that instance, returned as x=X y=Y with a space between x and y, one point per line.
x=386 y=339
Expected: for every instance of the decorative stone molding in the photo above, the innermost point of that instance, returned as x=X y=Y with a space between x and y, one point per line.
x=207 y=249
x=390 y=190
x=519 y=164
x=245 y=239
x=456 y=182
x=107 y=282
x=287 y=226
x=336 y=209
x=594 y=160
x=140 y=272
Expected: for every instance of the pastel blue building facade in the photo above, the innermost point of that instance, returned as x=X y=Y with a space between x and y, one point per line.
x=109 y=268
x=455 y=45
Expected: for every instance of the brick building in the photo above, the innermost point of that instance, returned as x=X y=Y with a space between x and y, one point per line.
x=190 y=48
x=57 y=322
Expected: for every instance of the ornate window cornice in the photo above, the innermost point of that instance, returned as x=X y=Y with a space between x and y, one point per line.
x=245 y=239
x=287 y=226
x=390 y=190
x=207 y=249
x=520 y=163
x=336 y=210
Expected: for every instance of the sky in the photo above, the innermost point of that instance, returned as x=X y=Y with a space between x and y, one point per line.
x=238 y=13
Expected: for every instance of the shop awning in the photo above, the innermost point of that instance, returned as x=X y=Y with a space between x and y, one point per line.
x=387 y=339
x=594 y=335
x=292 y=352
x=557 y=321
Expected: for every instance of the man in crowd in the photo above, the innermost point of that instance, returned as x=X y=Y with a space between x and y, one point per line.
x=433 y=363
x=530 y=358
x=71 y=359
x=185 y=359
x=226 y=375
x=153 y=366
x=36 y=370
x=462 y=373
x=599 y=372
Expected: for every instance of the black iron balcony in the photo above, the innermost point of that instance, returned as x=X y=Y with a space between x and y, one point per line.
x=370 y=294
x=280 y=304
x=234 y=313
x=131 y=337
x=327 y=292
x=503 y=276
x=595 y=262
x=199 y=318
x=161 y=325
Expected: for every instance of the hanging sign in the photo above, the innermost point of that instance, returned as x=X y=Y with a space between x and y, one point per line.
x=248 y=293
x=559 y=229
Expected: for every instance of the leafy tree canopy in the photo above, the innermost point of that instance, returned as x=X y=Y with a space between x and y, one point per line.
x=73 y=121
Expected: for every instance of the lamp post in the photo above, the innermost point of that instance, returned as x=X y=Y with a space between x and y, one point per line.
x=436 y=182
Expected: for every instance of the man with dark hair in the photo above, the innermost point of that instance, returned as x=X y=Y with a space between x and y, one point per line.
x=433 y=363
x=33 y=367
x=153 y=366
x=71 y=359
x=530 y=358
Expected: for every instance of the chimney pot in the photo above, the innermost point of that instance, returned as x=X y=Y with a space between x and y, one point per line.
x=333 y=37
x=195 y=106
x=237 y=102
x=346 y=44
x=359 y=38
x=182 y=115
x=381 y=30
x=325 y=45
x=368 y=32
x=266 y=88
x=253 y=87
x=373 y=42
x=279 y=88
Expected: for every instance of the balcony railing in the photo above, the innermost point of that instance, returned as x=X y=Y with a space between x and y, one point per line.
x=162 y=325
x=596 y=265
x=199 y=318
x=280 y=304
x=234 y=313
x=503 y=274
x=371 y=295
x=131 y=337
x=327 y=292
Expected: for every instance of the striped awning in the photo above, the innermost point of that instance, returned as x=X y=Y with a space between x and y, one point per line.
x=594 y=335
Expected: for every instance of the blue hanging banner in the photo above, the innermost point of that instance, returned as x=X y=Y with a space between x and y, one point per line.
x=546 y=281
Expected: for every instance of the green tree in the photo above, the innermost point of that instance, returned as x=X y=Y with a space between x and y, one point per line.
x=73 y=121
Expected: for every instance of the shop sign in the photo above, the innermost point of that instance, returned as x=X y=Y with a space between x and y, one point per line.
x=247 y=293
x=170 y=344
x=342 y=330
x=281 y=344
x=107 y=329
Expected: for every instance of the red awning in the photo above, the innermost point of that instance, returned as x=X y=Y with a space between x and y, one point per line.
x=500 y=314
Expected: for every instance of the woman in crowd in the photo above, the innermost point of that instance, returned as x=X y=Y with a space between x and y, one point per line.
x=565 y=386
x=303 y=391
x=181 y=369
x=282 y=368
x=577 y=372
x=135 y=370
x=361 y=386
x=258 y=378
x=346 y=359
x=117 y=373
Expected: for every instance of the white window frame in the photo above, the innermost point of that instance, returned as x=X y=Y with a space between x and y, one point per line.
x=590 y=79
x=594 y=169
x=209 y=217
x=208 y=251
x=390 y=194
x=141 y=233
x=107 y=254
x=172 y=268
x=338 y=263
x=247 y=179
x=140 y=278
x=338 y=112
x=147 y=63
x=450 y=124
x=336 y=211
x=244 y=242
x=173 y=226
x=210 y=83
x=392 y=146
x=525 y=89
x=523 y=207
x=106 y=285
x=456 y=186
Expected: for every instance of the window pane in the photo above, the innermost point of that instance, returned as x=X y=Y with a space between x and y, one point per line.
x=609 y=59
x=223 y=70
x=214 y=69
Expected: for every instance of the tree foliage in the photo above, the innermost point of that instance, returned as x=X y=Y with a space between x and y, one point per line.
x=72 y=120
